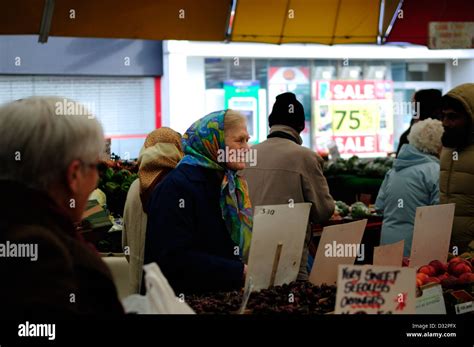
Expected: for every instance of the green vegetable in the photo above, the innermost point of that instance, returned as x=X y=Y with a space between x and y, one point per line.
x=359 y=210
x=342 y=208
x=109 y=173
x=110 y=187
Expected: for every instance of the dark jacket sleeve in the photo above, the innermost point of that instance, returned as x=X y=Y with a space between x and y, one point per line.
x=172 y=242
x=49 y=285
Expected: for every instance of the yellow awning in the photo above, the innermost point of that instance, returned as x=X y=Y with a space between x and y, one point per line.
x=204 y=20
x=311 y=21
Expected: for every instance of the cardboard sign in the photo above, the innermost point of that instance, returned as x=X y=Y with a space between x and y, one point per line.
x=339 y=244
x=375 y=290
x=389 y=255
x=431 y=301
x=449 y=35
x=431 y=234
x=277 y=244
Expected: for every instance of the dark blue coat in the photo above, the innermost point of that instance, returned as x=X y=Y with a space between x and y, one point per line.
x=186 y=235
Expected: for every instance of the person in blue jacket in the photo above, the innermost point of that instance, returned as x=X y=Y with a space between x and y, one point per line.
x=200 y=217
x=412 y=182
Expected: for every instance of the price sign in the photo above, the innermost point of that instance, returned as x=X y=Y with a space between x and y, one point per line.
x=354 y=118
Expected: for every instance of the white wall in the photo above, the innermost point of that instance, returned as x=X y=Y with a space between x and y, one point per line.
x=459 y=72
x=182 y=90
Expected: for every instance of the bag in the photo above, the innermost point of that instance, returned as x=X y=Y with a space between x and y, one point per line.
x=159 y=298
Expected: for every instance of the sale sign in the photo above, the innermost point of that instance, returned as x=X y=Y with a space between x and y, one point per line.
x=355 y=115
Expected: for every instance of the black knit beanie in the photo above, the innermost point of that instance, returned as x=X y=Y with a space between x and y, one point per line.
x=287 y=110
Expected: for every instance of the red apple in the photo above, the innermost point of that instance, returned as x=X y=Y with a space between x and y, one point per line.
x=467 y=277
x=455 y=260
x=433 y=280
x=457 y=269
x=443 y=276
x=422 y=277
x=427 y=269
x=449 y=282
x=439 y=266
x=419 y=282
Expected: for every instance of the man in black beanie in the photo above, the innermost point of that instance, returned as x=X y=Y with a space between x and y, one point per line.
x=286 y=172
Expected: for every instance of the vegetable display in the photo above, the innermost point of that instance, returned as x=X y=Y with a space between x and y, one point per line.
x=376 y=168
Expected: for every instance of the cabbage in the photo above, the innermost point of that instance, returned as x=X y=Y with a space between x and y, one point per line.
x=359 y=210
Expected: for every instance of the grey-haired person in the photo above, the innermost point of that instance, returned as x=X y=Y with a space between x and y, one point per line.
x=49 y=151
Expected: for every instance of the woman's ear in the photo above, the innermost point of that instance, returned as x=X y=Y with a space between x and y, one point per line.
x=73 y=176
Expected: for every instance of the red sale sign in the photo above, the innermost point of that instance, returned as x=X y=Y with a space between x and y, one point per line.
x=356 y=144
x=360 y=90
x=356 y=115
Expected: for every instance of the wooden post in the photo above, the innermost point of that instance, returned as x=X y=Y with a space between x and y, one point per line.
x=276 y=262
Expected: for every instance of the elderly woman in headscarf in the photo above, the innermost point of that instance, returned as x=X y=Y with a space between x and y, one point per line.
x=159 y=155
x=200 y=217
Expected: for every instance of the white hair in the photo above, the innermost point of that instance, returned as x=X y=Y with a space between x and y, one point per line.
x=40 y=136
x=426 y=135
x=233 y=119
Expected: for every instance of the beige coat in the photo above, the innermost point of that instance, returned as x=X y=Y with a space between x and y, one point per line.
x=133 y=235
x=457 y=177
x=286 y=170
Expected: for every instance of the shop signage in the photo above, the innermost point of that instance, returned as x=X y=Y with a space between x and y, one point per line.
x=277 y=244
x=431 y=301
x=389 y=255
x=375 y=290
x=449 y=35
x=357 y=115
x=431 y=223
x=339 y=244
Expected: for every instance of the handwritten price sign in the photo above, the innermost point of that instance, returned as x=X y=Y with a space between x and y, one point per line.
x=375 y=289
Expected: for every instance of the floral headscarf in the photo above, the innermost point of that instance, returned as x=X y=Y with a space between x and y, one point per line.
x=201 y=144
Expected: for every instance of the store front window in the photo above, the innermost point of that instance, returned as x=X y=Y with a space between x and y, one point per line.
x=360 y=106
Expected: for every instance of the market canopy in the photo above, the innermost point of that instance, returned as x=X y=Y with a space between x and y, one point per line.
x=268 y=21
x=202 y=20
x=317 y=21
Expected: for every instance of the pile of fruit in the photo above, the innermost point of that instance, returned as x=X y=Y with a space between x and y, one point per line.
x=354 y=166
x=115 y=178
x=295 y=297
x=455 y=273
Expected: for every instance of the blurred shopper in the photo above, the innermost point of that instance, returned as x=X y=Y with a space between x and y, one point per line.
x=160 y=154
x=287 y=172
x=412 y=182
x=457 y=162
x=199 y=216
x=49 y=152
x=428 y=105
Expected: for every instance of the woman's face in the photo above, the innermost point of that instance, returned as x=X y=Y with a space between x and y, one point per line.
x=236 y=141
x=82 y=180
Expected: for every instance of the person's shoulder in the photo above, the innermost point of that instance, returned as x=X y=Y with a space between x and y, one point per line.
x=49 y=241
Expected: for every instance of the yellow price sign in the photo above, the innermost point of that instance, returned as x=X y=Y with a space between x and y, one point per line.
x=347 y=118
